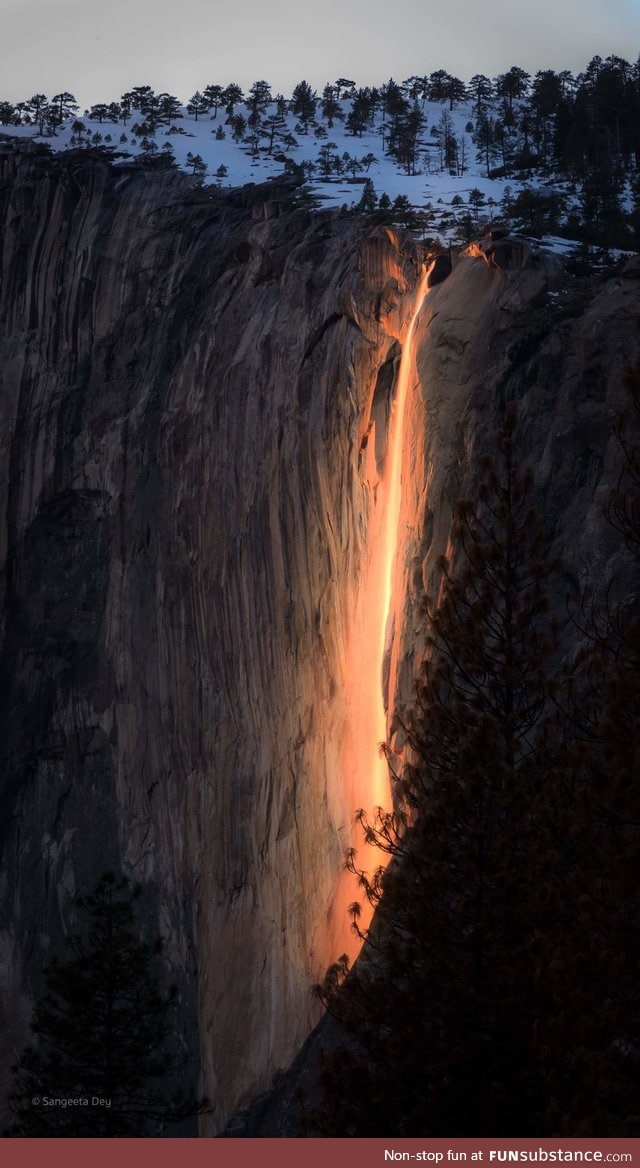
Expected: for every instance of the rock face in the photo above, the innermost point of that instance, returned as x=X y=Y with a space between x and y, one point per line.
x=486 y=336
x=185 y=383
x=188 y=385
x=560 y=350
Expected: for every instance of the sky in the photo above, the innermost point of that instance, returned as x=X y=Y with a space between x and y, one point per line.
x=97 y=49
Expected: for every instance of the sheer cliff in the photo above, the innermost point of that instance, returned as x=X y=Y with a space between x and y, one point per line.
x=186 y=383
x=196 y=396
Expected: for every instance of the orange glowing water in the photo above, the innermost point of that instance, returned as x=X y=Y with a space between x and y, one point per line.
x=365 y=771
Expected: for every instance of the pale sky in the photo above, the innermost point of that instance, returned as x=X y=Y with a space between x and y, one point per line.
x=97 y=49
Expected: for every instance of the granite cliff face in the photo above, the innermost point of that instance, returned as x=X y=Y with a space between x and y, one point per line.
x=510 y=325
x=187 y=386
x=519 y=330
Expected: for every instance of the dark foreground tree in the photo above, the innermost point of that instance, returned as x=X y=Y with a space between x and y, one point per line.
x=601 y=1030
x=491 y=997
x=104 y=1034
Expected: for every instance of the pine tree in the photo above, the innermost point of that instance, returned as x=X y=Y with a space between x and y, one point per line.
x=198 y=164
x=232 y=95
x=66 y=105
x=368 y=200
x=103 y=1031
x=7 y=113
x=214 y=97
x=36 y=108
x=303 y=104
x=480 y=92
x=198 y=104
x=330 y=106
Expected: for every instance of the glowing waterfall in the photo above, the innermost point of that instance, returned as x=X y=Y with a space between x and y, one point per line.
x=365 y=771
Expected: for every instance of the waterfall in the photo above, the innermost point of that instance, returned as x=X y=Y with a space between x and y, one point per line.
x=365 y=770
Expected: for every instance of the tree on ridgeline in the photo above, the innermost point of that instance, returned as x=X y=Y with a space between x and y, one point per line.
x=169 y=108
x=103 y=1030
x=330 y=106
x=258 y=99
x=214 y=97
x=198 y=104
x=65 y=104
x=303 y=104
x=513 y=84
x=127 y=105
x=480 y=91
x=344 y=88
x=36 y=110
x=98 y=113
x=362 y=111
x=8 y=114
x=232 y=96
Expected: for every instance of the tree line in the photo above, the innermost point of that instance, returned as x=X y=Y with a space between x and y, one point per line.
x=583 y=130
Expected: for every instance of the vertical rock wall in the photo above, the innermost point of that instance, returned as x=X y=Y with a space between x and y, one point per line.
x=515 y=327
x=185 y=381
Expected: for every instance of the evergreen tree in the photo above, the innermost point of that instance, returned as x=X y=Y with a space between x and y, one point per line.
x=303 y=104
x=476 y=199
x=368 y=201
x=168 y=108
x=439 y=85
x=258 y=100
x=197 y=164
x=344 y=88
x=65 y=104
x=98 y=113
x=198 y=104
x=513 y=84
x=232 y=96
x=103 y=1031
x=447 y=142
x=127 y=105
x=7 y=113
x=330 y=106
x=239 y=124
x=214 y=97
x=404 y=137
x=326 y=156
x=36 y=108
x=480 y=92
x=361 y=113
x=485 y=140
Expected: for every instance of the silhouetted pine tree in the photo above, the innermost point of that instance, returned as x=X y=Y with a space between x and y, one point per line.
x=599 y=956
x=103 y=1030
